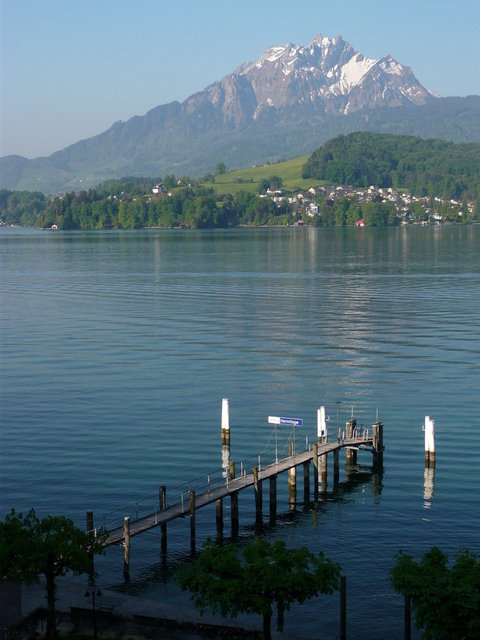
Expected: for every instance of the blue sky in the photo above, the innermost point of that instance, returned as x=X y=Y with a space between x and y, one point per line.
x=71 y=68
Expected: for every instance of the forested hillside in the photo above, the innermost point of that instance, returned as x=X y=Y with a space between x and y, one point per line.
x=415 y=181
x=422 y=167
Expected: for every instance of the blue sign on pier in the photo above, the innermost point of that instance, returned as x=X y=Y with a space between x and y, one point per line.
x=292 y=422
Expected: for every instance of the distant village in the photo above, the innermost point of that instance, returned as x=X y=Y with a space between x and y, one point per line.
x=410 y=209
x=196 y=206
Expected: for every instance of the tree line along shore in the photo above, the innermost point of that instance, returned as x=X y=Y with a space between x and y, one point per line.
x=362 y=179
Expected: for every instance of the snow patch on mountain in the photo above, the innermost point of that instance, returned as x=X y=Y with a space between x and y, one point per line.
x=351 y=73
x=277 y=52
x=390 y=66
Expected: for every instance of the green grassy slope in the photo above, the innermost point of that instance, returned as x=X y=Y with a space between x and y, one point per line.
x=248 y=179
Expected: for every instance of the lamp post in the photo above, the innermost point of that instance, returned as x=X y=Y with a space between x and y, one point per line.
x=95 y=593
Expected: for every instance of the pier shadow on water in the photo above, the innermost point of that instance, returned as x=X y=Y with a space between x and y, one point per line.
x=170 y=558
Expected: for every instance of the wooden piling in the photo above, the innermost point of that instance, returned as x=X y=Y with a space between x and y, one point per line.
x=315 y=471
x=162 y=496
x=324 y=464
x=377 y=436
x=233 y=503
x=336 y=466
x=192 y=520
x=429 y=459
x=292 y=478
x=234 y=514
x=306 y=482
x=219 y=516
x=257 y=486
x=126 y=541
x=351 y=454
x=350 y=425
x=324 y=485
x=318 y=453
x=273 y=497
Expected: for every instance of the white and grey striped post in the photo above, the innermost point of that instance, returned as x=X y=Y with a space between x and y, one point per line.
x=429 y=429
x=225 y=422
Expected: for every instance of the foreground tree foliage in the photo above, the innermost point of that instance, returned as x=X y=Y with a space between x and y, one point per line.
x=263 y=574
x=53 y=546
x=446 y=601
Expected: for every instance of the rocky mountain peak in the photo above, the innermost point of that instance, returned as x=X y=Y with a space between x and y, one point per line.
x=289 y=96
x=330 y=76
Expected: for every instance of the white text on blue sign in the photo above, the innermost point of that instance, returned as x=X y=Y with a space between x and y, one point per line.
x=293 y=422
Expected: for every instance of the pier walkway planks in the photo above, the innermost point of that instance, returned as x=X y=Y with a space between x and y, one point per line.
x=231 y=486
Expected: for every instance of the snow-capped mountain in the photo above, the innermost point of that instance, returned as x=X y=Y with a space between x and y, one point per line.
x=328 y=75
x=287 y=102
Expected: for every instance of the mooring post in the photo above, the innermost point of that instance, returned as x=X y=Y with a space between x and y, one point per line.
x=377 y=437
x=351 y=454
x=273 y=497
x=234 y=513
x=321 y=425
x=257 y=485
x=90 y=535
x=315 y=471
x=429 y=429
x=292 y=478
x=336 y=466
x=225 y=422
x=192 y=520
x=219 y=516
x=126 y=541
x=162 y=496
x=343 y=608
x=349 y=427
x=233 y=503
x=324 y=485
x=306 y=481
x=324 y=465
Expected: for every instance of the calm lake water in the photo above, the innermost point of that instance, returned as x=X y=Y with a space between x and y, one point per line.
x=118 y=347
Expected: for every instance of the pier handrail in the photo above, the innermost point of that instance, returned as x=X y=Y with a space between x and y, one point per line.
x=218 y=484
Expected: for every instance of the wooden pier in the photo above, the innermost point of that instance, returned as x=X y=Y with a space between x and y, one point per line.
x=230 y=485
